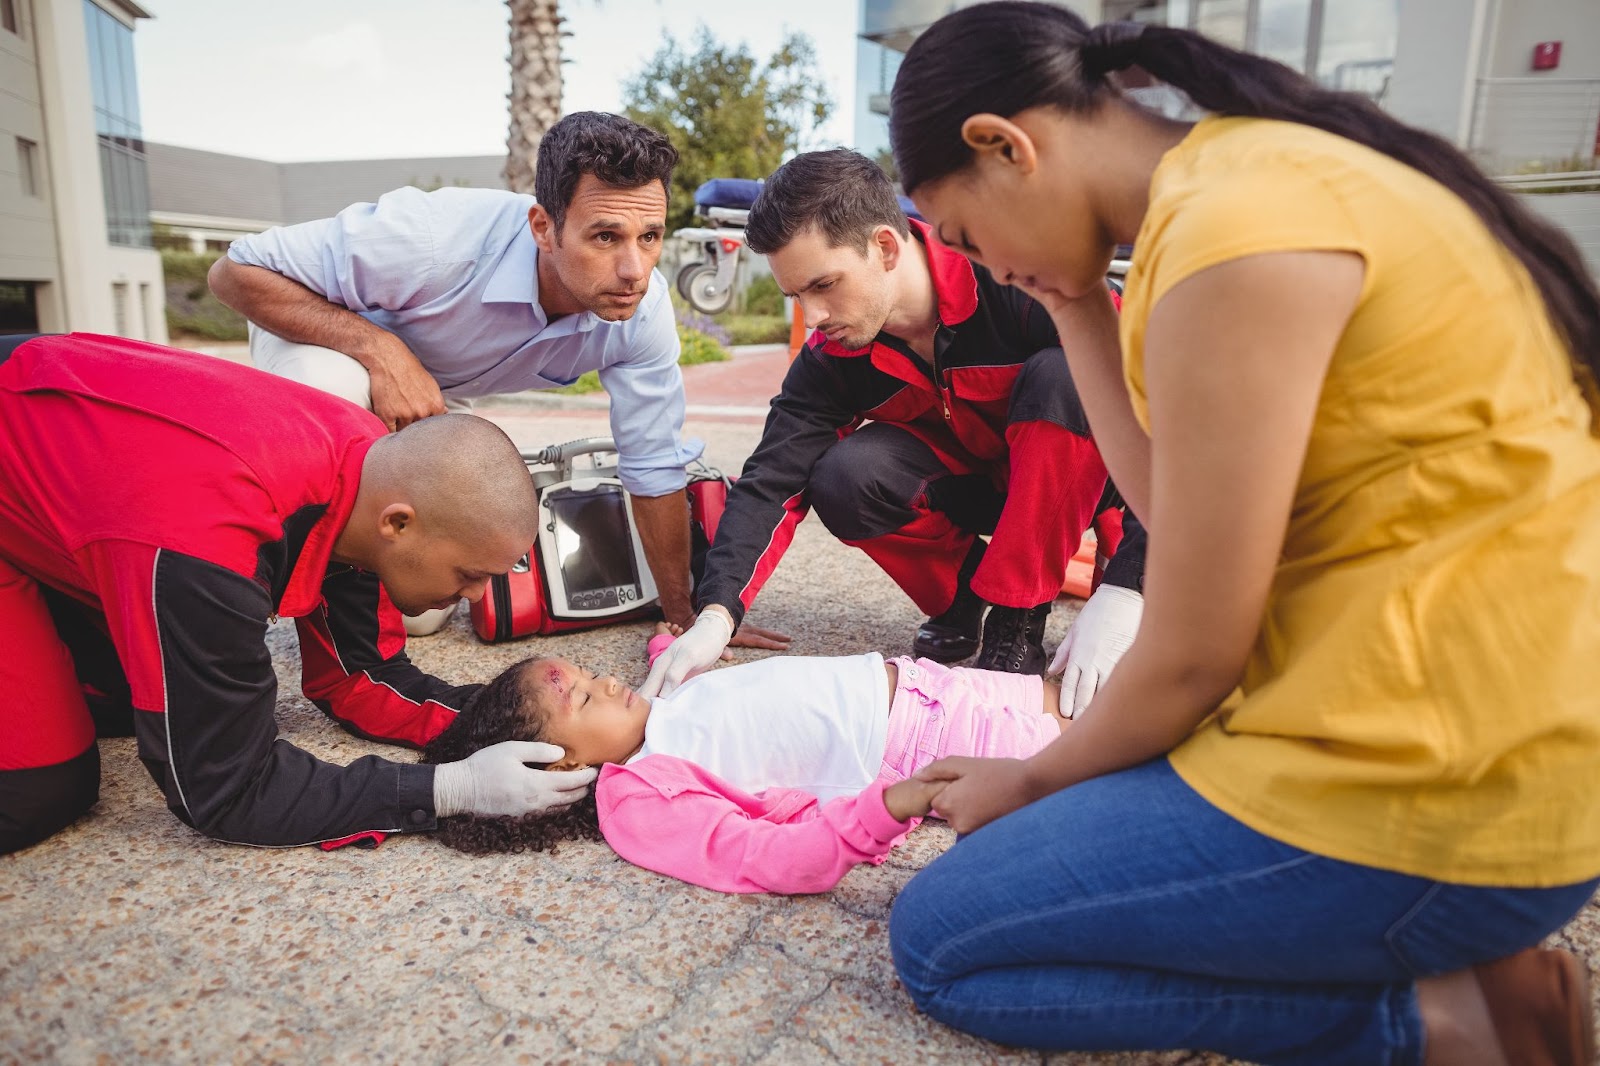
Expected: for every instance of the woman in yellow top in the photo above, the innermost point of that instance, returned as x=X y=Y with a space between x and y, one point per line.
x=1346 y=776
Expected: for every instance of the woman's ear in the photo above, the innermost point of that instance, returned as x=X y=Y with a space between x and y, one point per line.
x=996 y=139
x=568 y=763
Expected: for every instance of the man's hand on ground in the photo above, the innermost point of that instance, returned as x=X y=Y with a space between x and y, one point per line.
x=402 y=392
x=497 y=781
x=750 y=636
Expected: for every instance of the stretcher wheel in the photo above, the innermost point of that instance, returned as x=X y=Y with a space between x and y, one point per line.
x=702 y=292
x=682 y=280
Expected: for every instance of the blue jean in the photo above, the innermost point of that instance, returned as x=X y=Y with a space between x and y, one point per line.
x=1129 y=913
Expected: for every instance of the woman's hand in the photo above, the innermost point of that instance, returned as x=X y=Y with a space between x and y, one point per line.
x=977 y=791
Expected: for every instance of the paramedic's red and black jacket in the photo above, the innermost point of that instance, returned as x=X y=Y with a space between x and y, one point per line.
x=997 y=404
x=190 y=501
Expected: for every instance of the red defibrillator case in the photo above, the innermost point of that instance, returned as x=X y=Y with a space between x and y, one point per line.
x=588 y=566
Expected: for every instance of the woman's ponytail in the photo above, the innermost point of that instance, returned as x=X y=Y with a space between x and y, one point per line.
x=1010 y=55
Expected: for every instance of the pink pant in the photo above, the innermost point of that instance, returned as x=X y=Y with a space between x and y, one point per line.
x=940 y=710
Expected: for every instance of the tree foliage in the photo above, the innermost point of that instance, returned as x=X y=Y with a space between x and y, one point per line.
x=729 y=114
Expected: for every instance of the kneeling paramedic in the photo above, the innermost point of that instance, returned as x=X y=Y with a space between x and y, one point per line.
x=158 y=510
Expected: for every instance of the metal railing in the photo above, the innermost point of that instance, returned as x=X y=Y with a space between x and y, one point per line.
x=1536 y=125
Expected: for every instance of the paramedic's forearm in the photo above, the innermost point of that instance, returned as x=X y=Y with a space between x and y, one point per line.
x=1150 y=704
x=664 y=532
x=287 y=308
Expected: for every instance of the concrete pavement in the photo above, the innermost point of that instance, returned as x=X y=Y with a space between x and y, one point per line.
x=129 y=938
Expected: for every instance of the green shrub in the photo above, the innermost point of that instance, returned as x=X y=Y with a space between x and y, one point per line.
x=755 y=329
x=1574 y=164
x=587 y=382
x=698 y=347
x=182 y=265
x=191 y=309
x=695 y=347
x=763 y=297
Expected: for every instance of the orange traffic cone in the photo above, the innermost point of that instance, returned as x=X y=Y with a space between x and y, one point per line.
x=1081 y=575
x=797 y=330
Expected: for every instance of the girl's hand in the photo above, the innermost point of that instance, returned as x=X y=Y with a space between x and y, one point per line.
x=977 y=791
x=911 y=798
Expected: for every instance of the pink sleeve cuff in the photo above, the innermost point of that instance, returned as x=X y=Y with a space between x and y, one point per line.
x=658 y=644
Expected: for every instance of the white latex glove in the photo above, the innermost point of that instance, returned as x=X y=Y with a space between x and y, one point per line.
x=700 y=646
x=494 y=781
x=1103 y=630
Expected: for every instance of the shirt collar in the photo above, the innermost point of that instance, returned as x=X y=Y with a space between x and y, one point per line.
x=954 y=281
x=515 y=280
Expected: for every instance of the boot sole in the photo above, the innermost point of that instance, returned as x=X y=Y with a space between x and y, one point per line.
x=943 y=653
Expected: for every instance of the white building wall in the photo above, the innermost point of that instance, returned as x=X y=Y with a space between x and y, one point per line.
x=58 y=237
x=135 y=274
x=27 y=222
x=80 y=222
x=1534 y=119
x=1520 y=24
x=1438 y=52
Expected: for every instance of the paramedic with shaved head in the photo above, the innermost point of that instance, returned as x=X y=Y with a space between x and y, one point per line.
x=159 y=510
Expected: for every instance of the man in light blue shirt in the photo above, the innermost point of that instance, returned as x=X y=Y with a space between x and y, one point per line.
x=426 y=301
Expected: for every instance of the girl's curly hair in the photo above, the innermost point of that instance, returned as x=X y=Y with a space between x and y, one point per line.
x=510 y=707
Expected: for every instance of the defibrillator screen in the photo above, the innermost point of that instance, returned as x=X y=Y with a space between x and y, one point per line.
x=594 y=548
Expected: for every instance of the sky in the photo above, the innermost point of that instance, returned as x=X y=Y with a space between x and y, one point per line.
x=299 y=80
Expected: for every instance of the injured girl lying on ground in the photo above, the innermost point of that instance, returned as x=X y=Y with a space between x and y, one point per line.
x=779 y=775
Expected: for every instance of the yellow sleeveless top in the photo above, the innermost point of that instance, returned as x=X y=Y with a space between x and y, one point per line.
x=1424 y=692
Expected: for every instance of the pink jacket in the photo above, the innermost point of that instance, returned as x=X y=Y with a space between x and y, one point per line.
x=678 y=819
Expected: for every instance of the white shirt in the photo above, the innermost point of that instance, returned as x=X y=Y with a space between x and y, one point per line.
x=454 y=274
x=816 y=724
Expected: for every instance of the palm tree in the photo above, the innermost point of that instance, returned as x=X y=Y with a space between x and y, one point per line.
x=535 y=85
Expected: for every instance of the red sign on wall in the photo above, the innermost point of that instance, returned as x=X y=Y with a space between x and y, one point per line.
x=1547 y=55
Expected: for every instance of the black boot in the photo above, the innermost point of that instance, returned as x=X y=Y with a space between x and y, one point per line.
x=953 y=635
x=1013 y=640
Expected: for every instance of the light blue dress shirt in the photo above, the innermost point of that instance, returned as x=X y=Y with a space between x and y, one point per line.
x=454 y=274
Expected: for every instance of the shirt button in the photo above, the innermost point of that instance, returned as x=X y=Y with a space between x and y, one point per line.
x=417 y=817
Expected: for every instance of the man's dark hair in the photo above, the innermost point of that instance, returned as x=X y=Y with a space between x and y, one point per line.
x=842 y=193
x=618 y=151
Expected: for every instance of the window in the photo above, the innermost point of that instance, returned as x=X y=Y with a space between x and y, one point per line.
x=119 y=306
x=1226 y=21
x=8 y=16
x=28 y=166
x=1344 y=44
x=1356 y=51
x=1154 y=12
x=123 y=170
x=1283 y=31
x=19 y=307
